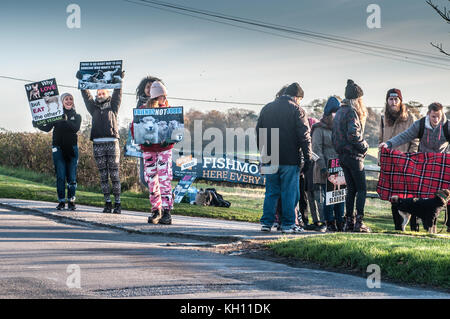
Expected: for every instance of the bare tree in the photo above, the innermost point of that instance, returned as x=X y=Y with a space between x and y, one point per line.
x=445 y=14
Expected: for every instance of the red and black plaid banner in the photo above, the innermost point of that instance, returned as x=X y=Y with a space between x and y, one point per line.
x=412 y=174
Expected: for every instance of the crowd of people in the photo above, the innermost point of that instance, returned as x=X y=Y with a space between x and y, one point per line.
x=298 y=183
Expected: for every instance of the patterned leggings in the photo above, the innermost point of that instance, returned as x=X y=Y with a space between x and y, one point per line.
x=107 y=157
x=158 y=175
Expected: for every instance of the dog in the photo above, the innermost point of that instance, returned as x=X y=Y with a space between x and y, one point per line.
x=52 y=104
x=34 y=93
x=427 y=209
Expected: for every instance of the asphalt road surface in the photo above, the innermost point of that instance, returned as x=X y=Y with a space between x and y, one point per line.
x=41 y=258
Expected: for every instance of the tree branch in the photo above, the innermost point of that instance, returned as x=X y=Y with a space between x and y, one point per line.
x=439 y=47
x=445 y=14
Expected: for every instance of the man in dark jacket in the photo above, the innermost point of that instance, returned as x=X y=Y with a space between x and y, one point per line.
x=285 y=116
x=105 y=136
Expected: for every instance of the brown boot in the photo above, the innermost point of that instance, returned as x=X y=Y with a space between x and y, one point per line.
x=360 y=227
x=156 y=216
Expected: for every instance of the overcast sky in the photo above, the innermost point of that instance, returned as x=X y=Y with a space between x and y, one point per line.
x=199 y=59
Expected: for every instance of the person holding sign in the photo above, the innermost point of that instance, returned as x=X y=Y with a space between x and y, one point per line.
x=65 y=151
x=105 y=136
x=158 y=165
x=322 y=146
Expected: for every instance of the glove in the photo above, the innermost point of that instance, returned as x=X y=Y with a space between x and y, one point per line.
x=306 y=166
x=165 y=144
x=79 y=75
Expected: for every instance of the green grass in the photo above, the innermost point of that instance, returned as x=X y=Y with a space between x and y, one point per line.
x=414 y=260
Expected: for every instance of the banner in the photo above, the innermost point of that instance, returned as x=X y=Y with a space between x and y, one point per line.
x=45 y=104
x=158 y=125
x=408 y=175
x=336 y=186
x=100 y=75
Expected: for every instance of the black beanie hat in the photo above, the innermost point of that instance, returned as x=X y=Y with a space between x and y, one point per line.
x=353 y=91
x=294 y=90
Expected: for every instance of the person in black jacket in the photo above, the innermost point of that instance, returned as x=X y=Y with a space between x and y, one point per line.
x=282 y=178
x=349 y=143
x=105 y=136
x=65 y=152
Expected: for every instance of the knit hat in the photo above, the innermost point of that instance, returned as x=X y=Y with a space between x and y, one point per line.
x=394 y=93
x=294 y=90
x=157 y=89
x=63 y=96
x=332 y=106
x=352 y=90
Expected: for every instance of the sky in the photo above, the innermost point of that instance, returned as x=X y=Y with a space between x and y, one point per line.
x=200 y=59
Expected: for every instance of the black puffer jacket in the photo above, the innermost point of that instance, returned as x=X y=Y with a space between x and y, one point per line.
x=292 y=122
x=104 y=115
x=65 y=132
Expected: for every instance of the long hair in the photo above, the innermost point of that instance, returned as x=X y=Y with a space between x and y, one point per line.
x=140 y=90
x=361 y=110
x=391 y=117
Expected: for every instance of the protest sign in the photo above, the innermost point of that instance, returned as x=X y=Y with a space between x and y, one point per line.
x=336 y=186
x=45 y=104
x=158 y=125
x=100 y=75
x=182 y=188
x=131 y=148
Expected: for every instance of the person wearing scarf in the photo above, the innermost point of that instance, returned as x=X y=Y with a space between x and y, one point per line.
x=65 y=152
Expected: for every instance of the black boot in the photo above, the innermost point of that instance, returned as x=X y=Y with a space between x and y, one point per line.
x=349 y=223
x=166 y=219
x=331 y=226
x=156 y=216
x=61 y=206
x=108 y=208
x=340 y=226
x=71 y=206
x=117 y=208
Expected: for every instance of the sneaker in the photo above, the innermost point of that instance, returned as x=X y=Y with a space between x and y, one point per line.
x=276 y=225
x=360 y=227
x=108 y=208
x=322 y=228
x=61 y=206
x=71 y=206
x=166 y=219
x=266 y=228
x=155 y=217
x=117 y=208
x=293 y=230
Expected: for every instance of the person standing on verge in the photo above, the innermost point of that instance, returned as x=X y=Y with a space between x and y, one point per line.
x=433 y=132
x=285 y=115
x=105 y=137
x=395 y=120
x=349 y=143
x=322 y=146
x=65 y=151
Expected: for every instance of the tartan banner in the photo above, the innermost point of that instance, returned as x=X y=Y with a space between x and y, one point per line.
x=409 y=175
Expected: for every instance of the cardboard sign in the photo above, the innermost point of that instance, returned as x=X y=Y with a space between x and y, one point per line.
x=158 y=125
x=336 y=186
x=182 y=188
x=100 y=75
x=45 y=104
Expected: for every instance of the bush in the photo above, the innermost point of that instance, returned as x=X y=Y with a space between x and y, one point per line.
x=33 y=151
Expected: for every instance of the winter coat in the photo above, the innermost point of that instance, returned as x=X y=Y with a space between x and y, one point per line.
x=401 y=124
x=348 y=134
x=104 y=114
x=294 y=136
x=65 y=132
x=322 y=146
x=433 y=139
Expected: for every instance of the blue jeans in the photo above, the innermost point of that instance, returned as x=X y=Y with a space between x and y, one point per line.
x=338 y=209
x=65 y=171
x=284 y=184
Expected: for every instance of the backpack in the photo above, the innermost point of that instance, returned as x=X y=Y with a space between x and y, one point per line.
x=422 y=129
x=210 y=197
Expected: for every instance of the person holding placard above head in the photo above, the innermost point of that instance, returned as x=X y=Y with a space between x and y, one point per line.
x=105 y=136
x=65 y=151
x=158 y=165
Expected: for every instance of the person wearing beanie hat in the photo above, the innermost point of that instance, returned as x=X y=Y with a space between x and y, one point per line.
x=331 y=106
x=282 y=158
x=143 y=90
x=104 y=110
x=65 y=151
x=396 y=119
x=157 y=159
x=351 y=147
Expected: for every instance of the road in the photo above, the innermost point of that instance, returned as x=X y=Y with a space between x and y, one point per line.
x=43 y=258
